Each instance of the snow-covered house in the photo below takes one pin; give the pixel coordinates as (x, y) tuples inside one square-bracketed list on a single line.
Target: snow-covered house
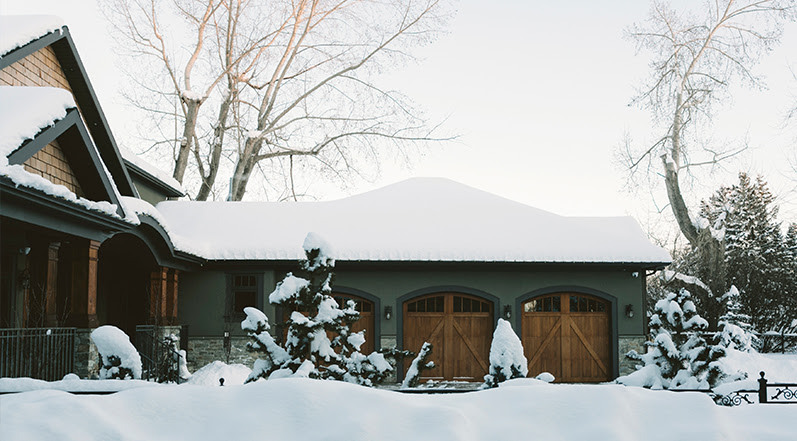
[(89, 237), (74, 252), (429, 259)]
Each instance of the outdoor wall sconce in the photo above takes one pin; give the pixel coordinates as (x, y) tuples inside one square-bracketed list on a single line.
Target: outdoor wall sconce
[(507, 312), (629, 310), (388, 312)]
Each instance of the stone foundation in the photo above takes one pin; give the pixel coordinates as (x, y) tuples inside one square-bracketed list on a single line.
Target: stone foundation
[(628, 343), (205, 350)]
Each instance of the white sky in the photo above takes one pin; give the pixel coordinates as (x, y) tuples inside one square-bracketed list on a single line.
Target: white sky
[(539, 93)]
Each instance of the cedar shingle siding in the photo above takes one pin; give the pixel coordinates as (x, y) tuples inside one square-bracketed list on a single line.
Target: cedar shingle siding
[(40, 68), (51, 163)]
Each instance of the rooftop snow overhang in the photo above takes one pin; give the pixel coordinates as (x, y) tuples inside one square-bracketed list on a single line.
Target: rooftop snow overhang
[(85, 97), (152, 180), (85, 161)]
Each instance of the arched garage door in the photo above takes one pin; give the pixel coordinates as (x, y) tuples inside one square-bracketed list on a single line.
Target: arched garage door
[(459, 327), (567, 334), (366, 321)]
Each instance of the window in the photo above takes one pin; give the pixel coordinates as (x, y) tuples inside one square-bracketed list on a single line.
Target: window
[(544, 304), (242, 292)]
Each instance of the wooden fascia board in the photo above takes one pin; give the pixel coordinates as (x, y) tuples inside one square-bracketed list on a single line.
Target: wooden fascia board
[(71, 121)]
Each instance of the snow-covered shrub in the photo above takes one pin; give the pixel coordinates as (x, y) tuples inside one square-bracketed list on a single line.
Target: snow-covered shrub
[(734, 325), (417, 366), (678, 356), (119, 359), (319, 341), (506, 356)]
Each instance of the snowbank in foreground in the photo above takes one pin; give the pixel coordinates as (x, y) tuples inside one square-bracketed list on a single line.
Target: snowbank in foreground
[(303, 409), (208, 375)]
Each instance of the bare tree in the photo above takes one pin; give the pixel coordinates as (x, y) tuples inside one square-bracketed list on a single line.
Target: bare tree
[(249, 84), (697, 55)]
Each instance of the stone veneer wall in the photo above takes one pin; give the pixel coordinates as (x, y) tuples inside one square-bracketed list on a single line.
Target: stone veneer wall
[(204, 350), (627, 343), (87, 359)]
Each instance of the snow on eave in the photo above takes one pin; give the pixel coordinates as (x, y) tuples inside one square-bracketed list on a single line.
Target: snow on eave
[(19, 30), (151, 171), (25, 113), (418, 220)]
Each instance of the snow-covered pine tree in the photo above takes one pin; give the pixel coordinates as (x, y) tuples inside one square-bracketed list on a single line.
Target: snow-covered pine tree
[(507, 360), (413, 375), (315, 316), (678, 356), (734, 325)]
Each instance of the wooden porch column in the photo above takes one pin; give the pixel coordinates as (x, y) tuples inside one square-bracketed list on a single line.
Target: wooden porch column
[(83, 298), (157, 295), (51, 285), (171, 296)]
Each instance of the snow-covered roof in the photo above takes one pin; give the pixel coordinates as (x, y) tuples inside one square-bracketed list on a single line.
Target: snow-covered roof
[(152, 170), (19, 30), (24, 112), (420, 219)]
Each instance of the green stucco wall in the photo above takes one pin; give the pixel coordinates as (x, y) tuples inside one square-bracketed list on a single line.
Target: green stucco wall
[(202, 294)]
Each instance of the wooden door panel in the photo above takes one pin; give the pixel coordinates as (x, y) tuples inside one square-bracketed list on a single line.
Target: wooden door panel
[(458, 326), (425, 327), (573, 343)]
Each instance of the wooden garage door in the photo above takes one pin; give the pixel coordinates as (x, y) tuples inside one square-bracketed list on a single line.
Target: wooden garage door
[(460, 329), (366, 320), (568, 335)]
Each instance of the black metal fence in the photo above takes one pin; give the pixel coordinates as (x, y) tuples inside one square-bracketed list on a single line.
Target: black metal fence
[(767, 393), (160, 360), (42, 353)]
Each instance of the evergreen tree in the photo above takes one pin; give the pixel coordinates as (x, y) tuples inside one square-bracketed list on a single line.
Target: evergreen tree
[(734, 324), (315, 317), (757, 259), (678, 356), (419, 363)]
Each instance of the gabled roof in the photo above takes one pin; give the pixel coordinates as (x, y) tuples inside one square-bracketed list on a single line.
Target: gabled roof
[(27, 28), (31, 118), (422, 219)]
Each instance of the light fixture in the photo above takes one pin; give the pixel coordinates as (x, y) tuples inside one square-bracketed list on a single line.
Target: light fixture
[(635, 274), (629, 310), (507, 312), (388, 312)]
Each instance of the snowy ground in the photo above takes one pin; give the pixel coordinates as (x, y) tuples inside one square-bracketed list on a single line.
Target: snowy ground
[(302, 409)]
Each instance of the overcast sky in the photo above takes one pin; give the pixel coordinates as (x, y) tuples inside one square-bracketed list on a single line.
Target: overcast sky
[(538, 92)]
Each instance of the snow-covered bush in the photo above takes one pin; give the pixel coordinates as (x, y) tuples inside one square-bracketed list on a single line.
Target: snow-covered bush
[(319, 341), (678, 356), (734, 325), (119, 359), (506, 356), (417, 366)]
